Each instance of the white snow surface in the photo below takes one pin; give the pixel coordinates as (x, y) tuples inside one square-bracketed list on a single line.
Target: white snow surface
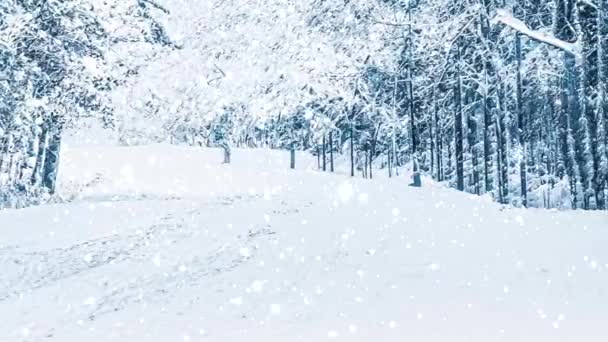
[(162, 243)]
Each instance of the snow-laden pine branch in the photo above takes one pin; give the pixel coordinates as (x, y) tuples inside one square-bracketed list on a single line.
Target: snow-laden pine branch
[(506, 17), (589, 3)]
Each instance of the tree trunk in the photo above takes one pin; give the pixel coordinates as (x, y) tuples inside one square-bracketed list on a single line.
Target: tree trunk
[(567, 162), (485, 27), (42, 144), (51, 160), (432, 137), (502, 155), (331, 151), (499, 167), (3, 152), (227, 152), (439, 144), (394, 162), (416, 178), (371, 172), (487, 145), (449, 158), (472, 142), (352, 150), (324, 154), (410, 83), (388, 162), (365, 165), (318, 158), (577, 132), (11, 160), (521, 126), (292, 153), (589, 23), (602, 131), (458, 134)]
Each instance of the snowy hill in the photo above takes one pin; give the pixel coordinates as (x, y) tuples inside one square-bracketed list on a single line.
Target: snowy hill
[(161, 243)]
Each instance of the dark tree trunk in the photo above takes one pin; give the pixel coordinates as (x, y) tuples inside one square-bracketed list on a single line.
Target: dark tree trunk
[(521, 126), (371, 172), (416, 178), (499, 167), (487, 145), (352, 150), (292, 153), (227, 152), (432, 137), (577, 132), (388, 162), (502, 148), (11, 159), (324, 154), (439, 145), (365, 163), (567, 162), (450, 169), (473, 148), (410, 84), (3, 152), (458, 134), (485, 27), (318, 158), (589, 22), (40, 155), (331, 151), (602, 132), (51, 160)]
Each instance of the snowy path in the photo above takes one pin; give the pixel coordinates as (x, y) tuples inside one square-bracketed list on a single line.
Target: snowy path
[(258, 252)]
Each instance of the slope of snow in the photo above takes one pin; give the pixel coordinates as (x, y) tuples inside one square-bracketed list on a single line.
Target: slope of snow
[(161, 243)]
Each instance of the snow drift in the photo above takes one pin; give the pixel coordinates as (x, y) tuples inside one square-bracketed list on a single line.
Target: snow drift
[(161, 243)]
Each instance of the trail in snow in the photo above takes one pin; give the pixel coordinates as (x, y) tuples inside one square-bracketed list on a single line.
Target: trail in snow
[(169, 245)]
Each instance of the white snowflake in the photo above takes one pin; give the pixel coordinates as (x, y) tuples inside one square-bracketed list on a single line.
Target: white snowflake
[(345, 191), (244, 251), (236, 301), (275, 309)]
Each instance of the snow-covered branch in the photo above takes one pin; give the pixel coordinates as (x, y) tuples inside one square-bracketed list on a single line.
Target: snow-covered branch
[(588, 3), (505, 17), (157, 6)]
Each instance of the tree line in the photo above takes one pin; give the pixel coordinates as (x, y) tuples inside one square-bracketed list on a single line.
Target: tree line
[(55, 69), (500, 98)]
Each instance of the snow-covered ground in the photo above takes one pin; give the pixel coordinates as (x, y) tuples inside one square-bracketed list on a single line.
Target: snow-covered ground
[(162, 243)]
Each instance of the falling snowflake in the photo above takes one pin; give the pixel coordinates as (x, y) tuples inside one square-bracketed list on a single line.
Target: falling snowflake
[(156, 260), (88, 258), (257, 286), (345, 191), (244, 251), (90, 301), (275, 309), (236, 301)]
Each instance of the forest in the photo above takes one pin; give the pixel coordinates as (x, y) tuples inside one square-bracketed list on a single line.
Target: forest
[(500, 98)]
